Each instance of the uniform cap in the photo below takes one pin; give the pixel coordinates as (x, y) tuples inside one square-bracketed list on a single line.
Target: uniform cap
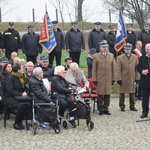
[(11, 23), (103, 43), (44, 58), (128, 46)]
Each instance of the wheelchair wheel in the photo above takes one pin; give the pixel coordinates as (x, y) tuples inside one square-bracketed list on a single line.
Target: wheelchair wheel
[(57, 129), (65, 125), (91, 125), (34, 128)]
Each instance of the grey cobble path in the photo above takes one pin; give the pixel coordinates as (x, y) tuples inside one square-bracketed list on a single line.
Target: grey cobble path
[(120, 131)]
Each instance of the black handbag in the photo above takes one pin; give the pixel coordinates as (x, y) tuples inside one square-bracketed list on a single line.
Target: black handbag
[(23, 98)]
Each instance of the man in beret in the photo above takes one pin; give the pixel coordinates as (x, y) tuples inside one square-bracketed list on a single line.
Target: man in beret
[(57, 51), (74, 42), (103, 75), (96, 36), (144, 35), (11, 40), (111, 36), (131, 36), (30, 44), (127, 76)]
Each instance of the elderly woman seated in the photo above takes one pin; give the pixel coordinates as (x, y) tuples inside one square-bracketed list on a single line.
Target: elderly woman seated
[(37, 87), (75, 76), (61, 86)]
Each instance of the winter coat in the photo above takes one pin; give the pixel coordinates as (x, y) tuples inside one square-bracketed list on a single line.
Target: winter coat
[(74, 40), (131, 38), (30, 44), (60, 86), (111, 41), (103, 72), (144, 37), (59, 40), (127, 72), (144, 63), (95, 37), (37, 87), (11, 40)]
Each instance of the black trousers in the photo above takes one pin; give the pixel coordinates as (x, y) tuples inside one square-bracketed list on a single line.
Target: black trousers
[(75, 56), (145, 101), (65, 103), (31, 58), (57, 56)]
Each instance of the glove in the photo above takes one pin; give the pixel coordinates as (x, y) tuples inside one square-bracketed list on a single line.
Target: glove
[(112, 83), (95, 82), (119, 82), (52, 104), (137, 81)]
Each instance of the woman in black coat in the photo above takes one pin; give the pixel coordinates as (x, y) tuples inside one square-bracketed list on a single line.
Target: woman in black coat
[(61, 86), (15, 86)]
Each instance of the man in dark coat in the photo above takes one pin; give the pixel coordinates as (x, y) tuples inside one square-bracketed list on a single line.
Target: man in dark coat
[(57, 51), (144, 35), (111, 39), (30, 44), (144, 69), (96, 36), (131, 36), (11, 40), (74, 42)]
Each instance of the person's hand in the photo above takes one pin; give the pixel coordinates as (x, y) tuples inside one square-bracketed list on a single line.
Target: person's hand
[(119, 82), (24, 94), (74, 91), (83, 50), (145, 72), (68, 50), (112, 83), (4, 50), (95, 82), (1, 50), (19, 50), (136, 81)]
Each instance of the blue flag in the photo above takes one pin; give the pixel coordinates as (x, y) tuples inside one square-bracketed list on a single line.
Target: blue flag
[(121, 34), (47, 37)]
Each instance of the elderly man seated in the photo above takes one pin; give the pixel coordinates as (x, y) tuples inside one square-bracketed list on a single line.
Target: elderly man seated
[(61, 86), (76, 76)]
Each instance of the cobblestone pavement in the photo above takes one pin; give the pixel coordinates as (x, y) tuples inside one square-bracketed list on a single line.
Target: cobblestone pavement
[(120, 131)]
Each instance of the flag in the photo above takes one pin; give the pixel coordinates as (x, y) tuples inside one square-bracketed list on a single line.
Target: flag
[(121, 34), (47, 38)]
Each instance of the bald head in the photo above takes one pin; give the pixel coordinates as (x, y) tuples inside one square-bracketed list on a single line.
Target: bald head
[(29, 66), (147, 48)]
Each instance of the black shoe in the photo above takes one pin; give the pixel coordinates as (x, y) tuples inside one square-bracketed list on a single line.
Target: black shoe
[(107, 113), (133, 109), (72, 122), (101, 113), (122, 109), (143, 116), (140, 98), (17, 126), (22, 126)]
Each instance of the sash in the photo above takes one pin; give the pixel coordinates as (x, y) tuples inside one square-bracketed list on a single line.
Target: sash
[(137, 52)]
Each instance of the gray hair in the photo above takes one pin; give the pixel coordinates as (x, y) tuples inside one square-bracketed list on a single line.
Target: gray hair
[(59, 69), (37, 71), (74, 66)]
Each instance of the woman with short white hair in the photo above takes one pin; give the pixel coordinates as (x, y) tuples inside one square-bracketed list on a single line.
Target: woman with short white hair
[(61, 86)]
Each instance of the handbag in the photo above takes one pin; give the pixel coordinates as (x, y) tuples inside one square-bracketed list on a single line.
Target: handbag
[(23, 98)]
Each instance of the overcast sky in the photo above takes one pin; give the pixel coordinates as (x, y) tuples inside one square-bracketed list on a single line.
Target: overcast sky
[(21, 11)]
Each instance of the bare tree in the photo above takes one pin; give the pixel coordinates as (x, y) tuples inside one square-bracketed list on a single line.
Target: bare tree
[(133, 9), (80, 4)]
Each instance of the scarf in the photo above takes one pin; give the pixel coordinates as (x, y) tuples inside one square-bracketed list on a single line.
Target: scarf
[(22, 78)]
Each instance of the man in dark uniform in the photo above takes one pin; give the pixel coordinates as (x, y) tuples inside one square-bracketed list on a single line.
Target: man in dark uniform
[(131, 36), (111, 39), (60, 45), (96, 36), (144, 69), (144, 35), (74, 42), (30, 44), (11, 40)]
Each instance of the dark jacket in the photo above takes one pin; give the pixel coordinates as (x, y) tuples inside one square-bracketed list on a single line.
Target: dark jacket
[(144, 38), (95, 37), (111, 41), (30, 44), (48, 72), (37, 87), (59, 40), (89, 61), (74, 40), (1, 41), (12, 88), (144, 63), (131, 38), (60, 85), (11, 40)]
